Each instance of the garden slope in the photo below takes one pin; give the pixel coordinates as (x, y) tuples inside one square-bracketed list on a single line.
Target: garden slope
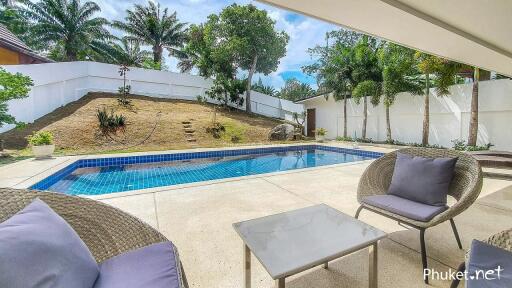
[(75, 126)]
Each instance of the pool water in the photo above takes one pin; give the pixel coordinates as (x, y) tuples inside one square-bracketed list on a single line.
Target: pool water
[(116, 178)]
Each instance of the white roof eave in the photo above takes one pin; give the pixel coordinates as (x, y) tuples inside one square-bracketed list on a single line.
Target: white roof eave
[(467, 31)]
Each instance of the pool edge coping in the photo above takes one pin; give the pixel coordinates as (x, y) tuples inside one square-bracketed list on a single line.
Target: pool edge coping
[(42, 175)]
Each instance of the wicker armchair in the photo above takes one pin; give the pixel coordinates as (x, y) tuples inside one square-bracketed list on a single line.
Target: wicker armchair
[(501, 240), (107, 231), (465, 188)]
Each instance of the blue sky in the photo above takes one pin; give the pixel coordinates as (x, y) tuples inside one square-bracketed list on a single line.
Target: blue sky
[(304, 32)]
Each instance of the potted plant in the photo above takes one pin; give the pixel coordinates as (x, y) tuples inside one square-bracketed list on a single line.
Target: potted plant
[(42, 144), (320, 134)]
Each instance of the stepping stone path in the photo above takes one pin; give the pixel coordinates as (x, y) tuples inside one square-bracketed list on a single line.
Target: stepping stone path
[(189, 131)]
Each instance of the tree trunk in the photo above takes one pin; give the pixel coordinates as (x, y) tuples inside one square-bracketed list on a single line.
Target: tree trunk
[(345, 117), (473, 124), (388, 126), (71, 55), (249, 81), (365, 116), (157, 54), (426, 112)]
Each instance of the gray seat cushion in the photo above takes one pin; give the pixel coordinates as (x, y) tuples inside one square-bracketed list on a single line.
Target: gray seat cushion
[(152, 266), (423, 180), (405, 207), (484, 257), (39, 249)]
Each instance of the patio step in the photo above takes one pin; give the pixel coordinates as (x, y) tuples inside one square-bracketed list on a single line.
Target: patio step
[(497, 173), (189, 130)]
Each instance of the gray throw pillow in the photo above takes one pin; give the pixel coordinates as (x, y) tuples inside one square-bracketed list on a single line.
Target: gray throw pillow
[(153, 266), (39, 249), (424, 180)]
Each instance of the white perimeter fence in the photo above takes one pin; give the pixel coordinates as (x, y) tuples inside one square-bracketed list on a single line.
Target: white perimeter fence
[(449, 116), (57, 84)]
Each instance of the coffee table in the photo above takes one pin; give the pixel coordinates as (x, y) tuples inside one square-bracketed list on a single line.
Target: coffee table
[(291, 242)]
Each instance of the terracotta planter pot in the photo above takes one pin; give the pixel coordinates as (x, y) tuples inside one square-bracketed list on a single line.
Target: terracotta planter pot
[(43, 151)]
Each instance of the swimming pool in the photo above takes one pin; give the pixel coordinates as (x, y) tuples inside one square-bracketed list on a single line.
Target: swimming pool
[(110, 175)]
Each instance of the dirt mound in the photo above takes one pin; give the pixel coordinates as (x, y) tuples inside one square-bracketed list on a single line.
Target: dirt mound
[(157, 123)]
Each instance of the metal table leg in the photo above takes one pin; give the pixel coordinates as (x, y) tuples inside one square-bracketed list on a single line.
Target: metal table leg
[(373, 277), (247, 267), (280, 283)]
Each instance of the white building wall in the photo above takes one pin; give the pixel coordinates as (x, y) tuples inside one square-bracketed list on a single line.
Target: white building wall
[(57, 84), (449, 116)]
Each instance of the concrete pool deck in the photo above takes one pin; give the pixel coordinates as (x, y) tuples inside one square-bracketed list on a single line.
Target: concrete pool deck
[(198, 220)]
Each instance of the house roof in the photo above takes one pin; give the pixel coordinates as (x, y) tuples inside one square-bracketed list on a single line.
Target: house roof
[(312, 97), (8, 39), (473, 32)]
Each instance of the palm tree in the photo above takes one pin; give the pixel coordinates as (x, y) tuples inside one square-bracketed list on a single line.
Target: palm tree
[(294, 90), (155, 27), (473, 123), (444, 73), (260, 87), (124, 51), (338, 76), (367, 74), (67, 23), (399, 74), (365, 89)]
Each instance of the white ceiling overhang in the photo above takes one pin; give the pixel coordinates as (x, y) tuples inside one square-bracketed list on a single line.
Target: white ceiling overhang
[(474, 32)]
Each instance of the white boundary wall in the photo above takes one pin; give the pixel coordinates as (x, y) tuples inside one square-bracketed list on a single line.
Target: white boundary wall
[(449, 116), (57, 84)]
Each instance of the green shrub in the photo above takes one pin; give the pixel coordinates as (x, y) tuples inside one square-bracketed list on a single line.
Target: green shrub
[(350, 139), (341, 138), (41, 138), (201, 99), (110, 123), (216, 130), (459, 144), (321, 131)]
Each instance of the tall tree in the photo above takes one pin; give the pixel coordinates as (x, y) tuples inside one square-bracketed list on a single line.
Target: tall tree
[(365, 89), (67, 23), (214, 56), (257, 45), (294, 90), (334, 67), (399, 74), (437, 72), (155, 27), (473, 123), (367, 75)]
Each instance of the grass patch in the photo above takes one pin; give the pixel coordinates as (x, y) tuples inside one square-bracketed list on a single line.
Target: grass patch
[(235, 132)]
